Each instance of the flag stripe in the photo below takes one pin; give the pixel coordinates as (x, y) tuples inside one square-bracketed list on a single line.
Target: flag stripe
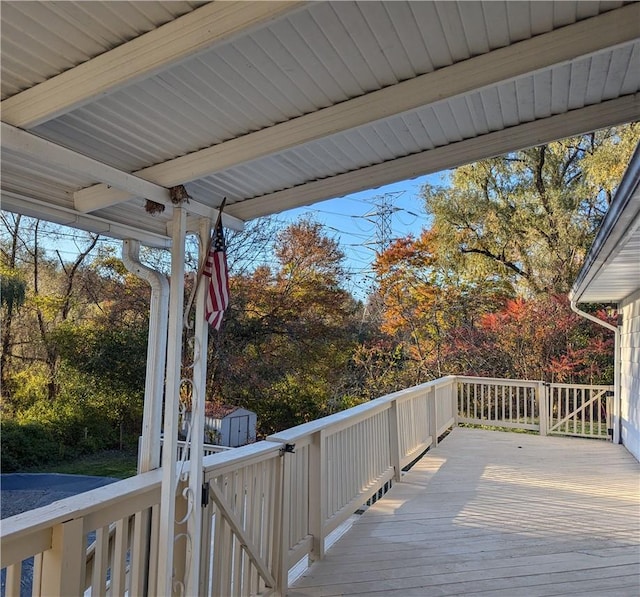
[(216, 270)]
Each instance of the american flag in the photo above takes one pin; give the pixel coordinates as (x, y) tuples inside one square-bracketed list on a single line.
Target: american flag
[(215, 268)]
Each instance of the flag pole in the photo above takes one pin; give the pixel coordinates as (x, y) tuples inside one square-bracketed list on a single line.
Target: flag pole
[(194, 290)]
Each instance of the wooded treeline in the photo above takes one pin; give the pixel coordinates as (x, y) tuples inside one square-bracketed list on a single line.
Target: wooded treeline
[(482, 291)]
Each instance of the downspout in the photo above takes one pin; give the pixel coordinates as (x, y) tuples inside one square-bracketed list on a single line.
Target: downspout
[(149, 450), (616, 367)]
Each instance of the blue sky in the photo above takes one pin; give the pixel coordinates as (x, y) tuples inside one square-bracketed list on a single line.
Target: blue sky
[(344, 220)]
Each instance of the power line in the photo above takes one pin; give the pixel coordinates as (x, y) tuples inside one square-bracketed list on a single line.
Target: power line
[(381, 218)]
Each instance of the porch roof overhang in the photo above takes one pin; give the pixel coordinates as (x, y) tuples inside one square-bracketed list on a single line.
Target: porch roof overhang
[(276, 105), (611, 270)]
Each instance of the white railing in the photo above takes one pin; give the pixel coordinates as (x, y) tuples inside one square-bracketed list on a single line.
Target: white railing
[(208, 449), (506, 403), (272, 503), (580, 410), (561, 409), (114, 521)]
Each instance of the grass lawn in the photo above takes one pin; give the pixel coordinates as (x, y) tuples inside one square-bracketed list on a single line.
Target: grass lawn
[(111, 463)]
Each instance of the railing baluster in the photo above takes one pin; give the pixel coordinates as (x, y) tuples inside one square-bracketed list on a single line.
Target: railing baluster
[(119, 565), (138, 556), (317, 484), (394, 439), (12, 580), (475, 401), (36, 582), (100, 562), (586, 402)]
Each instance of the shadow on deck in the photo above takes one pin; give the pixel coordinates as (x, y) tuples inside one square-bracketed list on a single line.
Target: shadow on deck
[(492, 513)]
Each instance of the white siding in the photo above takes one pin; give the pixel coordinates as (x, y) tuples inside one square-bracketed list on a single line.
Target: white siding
[(630, 373)]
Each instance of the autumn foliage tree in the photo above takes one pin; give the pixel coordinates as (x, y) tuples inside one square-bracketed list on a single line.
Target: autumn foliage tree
[(288, 332), (424, 300), (482, 291), (539, 339)]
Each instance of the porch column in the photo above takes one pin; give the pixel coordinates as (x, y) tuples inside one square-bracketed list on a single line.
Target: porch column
[(201, 334), (172, 392)]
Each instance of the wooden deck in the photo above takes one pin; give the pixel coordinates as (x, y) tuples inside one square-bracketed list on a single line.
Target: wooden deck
[(491, 513)]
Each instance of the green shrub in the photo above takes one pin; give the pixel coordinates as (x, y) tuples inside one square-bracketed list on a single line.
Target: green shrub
[(26, 445)]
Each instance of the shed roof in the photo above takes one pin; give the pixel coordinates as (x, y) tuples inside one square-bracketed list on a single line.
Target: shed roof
[(216, 410), (275, 105)]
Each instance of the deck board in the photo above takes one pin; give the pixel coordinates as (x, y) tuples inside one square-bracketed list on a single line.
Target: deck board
[(492, 513)]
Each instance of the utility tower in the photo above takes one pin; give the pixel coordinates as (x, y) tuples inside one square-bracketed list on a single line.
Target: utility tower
[(381, 217)]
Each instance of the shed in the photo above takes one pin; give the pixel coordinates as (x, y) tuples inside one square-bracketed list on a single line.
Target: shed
[(226, 425)]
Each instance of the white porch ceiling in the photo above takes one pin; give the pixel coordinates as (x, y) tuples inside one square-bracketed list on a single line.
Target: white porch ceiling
[(280, 104)]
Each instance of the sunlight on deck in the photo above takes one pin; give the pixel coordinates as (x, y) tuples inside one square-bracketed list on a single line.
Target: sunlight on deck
[(493, 513)]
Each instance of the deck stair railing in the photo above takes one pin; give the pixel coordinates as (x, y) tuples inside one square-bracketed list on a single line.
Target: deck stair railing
[(267, 505)]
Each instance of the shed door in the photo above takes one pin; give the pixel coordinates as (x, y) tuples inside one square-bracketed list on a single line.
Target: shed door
[(239, 431)]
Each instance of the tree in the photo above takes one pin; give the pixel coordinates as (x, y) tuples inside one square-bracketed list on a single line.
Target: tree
[(286, 340), (530, 216), (424, 299), (538, 338), (12, 291)]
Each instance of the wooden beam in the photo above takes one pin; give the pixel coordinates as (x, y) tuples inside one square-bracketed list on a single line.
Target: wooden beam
[(35, 208), (576, 122), (212, 24), (586, 37), (88, 202)]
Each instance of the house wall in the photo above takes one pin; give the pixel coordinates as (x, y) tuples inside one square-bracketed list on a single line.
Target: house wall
[(630, 373)]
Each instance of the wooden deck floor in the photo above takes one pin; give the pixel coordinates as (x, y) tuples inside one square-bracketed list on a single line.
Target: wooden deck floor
[(491, 513)]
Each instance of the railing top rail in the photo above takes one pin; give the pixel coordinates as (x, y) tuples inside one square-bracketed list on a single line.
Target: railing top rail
[(295, 433), (79, 506), (498, 381), (582, 386), (214, 447), (239, 456)]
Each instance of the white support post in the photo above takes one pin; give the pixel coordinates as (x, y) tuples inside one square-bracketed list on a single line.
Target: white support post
[(282, 559), (317, 501), (433, 418), (394, 441), (172, 392), (62, 573), (455, 401), (201, 332), (543, 407)]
